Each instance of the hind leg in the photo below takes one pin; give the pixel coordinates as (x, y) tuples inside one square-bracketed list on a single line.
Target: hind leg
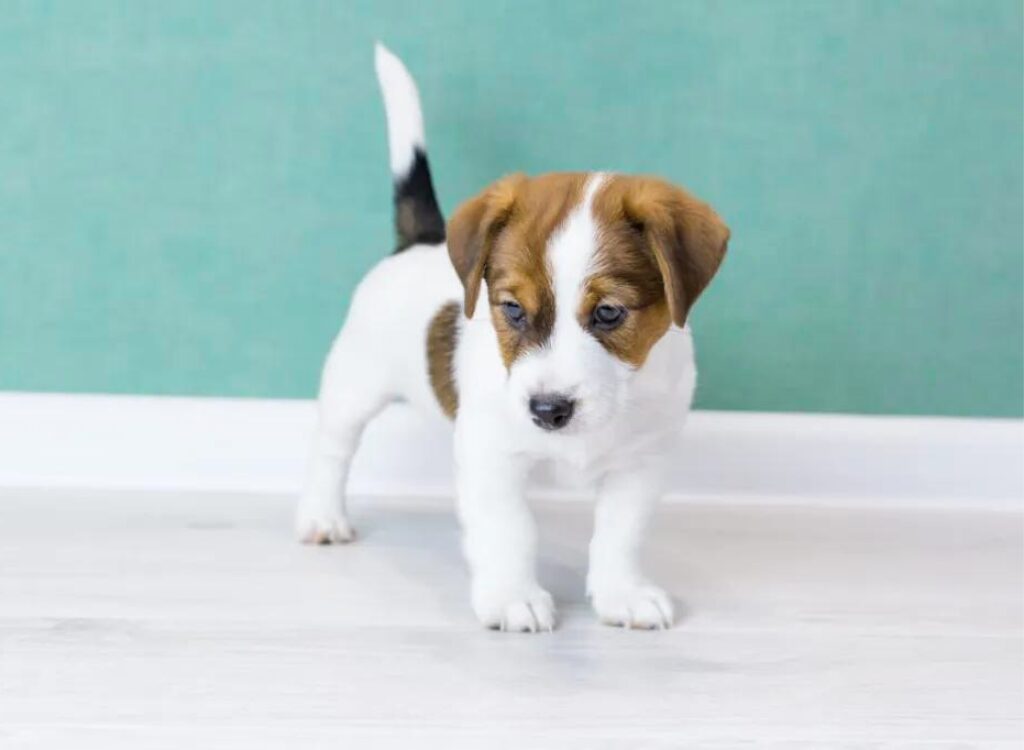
[(350, 396)]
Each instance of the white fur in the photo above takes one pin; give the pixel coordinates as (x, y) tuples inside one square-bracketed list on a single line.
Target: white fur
[(626, 424), (402, 106)]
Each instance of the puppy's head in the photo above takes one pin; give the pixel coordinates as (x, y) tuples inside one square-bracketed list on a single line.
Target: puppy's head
[(583, 274)]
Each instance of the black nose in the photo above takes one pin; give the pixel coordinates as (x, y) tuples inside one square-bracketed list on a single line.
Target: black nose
[(552, 412)]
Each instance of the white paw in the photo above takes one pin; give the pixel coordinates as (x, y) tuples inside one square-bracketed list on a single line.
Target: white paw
[(640, 606), (323, 528), (520, 609)]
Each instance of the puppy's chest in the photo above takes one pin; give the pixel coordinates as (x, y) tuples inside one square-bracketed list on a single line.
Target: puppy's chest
[(574, 465), (620, 443)]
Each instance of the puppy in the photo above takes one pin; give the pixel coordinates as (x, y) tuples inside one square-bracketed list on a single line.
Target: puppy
[(553, 328)]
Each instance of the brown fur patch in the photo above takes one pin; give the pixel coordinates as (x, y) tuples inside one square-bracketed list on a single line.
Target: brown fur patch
[(506, 229), (626, 275), (684, 236), (658, 248), (442, 335)]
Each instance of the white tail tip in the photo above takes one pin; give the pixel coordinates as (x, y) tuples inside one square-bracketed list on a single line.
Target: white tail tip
[(402, 106)]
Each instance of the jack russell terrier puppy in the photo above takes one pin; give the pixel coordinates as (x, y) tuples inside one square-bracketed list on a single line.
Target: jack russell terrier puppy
[(549, 322)]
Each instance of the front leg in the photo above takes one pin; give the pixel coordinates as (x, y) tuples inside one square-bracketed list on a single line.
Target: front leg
[(498, 533), (620, 593)]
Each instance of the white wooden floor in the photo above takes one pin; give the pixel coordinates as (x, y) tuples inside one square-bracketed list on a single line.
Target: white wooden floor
[(188, 621)]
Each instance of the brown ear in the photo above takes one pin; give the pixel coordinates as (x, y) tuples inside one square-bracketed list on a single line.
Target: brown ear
[(688, 239), (473, 230)]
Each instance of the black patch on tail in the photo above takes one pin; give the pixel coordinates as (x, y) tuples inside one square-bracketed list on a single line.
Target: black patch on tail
[(418, 219)]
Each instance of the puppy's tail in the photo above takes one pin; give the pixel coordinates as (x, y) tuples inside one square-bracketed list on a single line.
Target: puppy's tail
[(418, 218)]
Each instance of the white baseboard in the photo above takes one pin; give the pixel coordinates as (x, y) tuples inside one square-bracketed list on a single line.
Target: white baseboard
[(251, 445)]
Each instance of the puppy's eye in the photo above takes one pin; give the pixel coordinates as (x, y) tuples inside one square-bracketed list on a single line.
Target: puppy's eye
[(608, 317), (514, 314)]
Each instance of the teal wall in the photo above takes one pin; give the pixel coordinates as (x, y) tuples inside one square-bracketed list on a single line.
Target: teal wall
[(189, 190)]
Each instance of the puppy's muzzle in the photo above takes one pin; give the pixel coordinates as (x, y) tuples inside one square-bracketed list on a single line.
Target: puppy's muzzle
[(551, 411)]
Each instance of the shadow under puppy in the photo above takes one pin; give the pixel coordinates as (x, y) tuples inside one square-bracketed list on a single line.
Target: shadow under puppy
[(553, 328)]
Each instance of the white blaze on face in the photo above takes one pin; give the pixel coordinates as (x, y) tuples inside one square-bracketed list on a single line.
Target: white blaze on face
[(572, 363)]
